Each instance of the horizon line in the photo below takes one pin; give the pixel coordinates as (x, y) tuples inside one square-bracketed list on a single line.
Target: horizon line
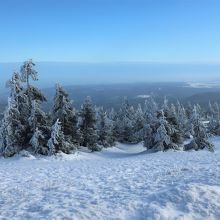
[(119, 62)]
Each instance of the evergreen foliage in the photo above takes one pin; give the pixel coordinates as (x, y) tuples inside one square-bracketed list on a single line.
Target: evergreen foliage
[(25, 125), (88, 126)]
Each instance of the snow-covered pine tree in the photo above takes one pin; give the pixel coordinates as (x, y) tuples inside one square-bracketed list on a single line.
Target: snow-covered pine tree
[(138, 124), (30, 94), (213, 118), (124, 126), (11, 130), (112, 116), (14, 84), (200, 135), (161, 138), (40, 128), (64, 111), (57, 141), (38, 142), (150, 121), (200, 110), (217, 118), (27, 73), (175, 132), (189, 110), (182, 120), (88, 125), (163, 134), (150, 110), (165, 105), (210, 112), (148, 136), (216, 110), (104, 128)]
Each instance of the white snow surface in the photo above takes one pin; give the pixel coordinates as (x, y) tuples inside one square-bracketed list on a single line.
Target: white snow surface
[(123, 182)]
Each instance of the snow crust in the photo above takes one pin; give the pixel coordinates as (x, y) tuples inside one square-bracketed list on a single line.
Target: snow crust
[(122, 182)]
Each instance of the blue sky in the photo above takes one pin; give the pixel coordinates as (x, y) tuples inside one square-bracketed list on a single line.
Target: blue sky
[(110, 30)]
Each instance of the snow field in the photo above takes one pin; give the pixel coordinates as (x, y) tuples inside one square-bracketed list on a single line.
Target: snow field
[(120, 183)]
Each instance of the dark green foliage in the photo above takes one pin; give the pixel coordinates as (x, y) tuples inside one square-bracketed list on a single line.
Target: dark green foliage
[(64, 111), (88, 126)]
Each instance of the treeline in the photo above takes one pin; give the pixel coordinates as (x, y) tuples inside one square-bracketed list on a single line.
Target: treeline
[(25, 126)]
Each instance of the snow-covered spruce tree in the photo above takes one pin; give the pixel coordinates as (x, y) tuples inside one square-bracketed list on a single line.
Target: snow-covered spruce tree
[(88, 126), (112, 116), (163, 134), (150, 121), (216, 110), (104, 129), (14, 84), (213, 118), (27, 73), (138, 123), (124, 126), (189, 110), (200, 135), (10, 130), (161, 138), (175, 132), (30, 94), (182, 120), (210, 111), (57, 142), (38, 142), (64, 111), (150, 110), (148, 136), (40, 128)]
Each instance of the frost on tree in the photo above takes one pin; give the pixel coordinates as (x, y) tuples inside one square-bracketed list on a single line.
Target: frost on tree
[(88, 126), (175, 131), (38, 143), (104, 128), (150, 122), (213, 117), (124, 125), (200, 135), (162, 134), (28, 71), (64, 111), (14, 84), (39, 127), (183, 120), (138, 124), (11, 130), (57, 142), (161, 138), (32, 97), (150, 110), (148, 136)]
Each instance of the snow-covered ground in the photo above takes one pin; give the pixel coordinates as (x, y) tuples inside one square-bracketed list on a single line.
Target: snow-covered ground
[(118, 183)]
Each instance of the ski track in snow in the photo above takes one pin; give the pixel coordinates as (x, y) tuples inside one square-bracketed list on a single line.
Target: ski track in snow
[(118, 183)]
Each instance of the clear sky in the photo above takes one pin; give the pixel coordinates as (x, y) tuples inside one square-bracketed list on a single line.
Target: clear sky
[(110, 30)]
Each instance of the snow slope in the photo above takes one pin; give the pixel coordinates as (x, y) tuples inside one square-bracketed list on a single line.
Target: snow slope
[(118, 183)]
